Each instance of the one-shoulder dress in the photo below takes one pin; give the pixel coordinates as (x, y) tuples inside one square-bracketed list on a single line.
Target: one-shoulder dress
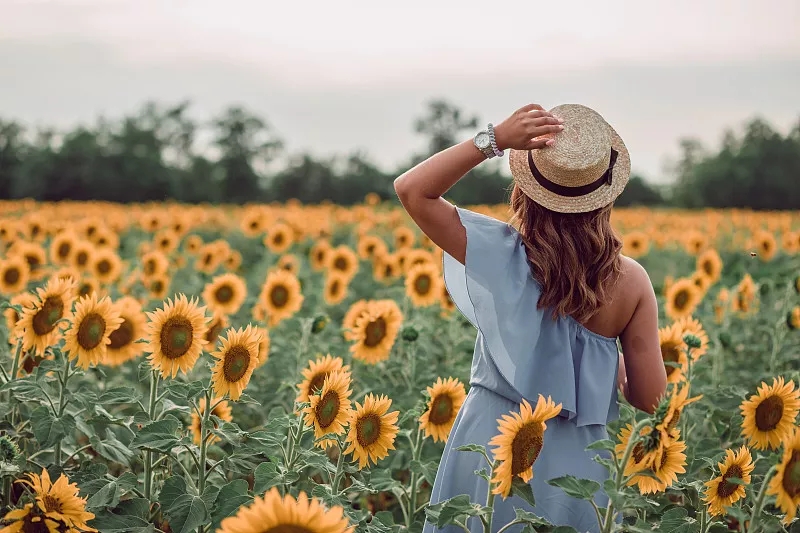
[(521, 352)]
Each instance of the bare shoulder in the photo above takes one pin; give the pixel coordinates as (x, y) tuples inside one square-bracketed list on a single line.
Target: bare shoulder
[(634, 277)]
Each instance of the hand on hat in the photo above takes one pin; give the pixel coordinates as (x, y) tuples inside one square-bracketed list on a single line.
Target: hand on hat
[(528, 128)]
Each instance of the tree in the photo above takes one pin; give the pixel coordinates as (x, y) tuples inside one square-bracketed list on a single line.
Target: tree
[(443, 125), (639, 193)]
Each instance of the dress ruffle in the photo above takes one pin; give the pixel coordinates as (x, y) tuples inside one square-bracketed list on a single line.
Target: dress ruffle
[(535, 354)]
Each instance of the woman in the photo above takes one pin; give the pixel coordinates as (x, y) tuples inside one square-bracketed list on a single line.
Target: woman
[(549, 300)]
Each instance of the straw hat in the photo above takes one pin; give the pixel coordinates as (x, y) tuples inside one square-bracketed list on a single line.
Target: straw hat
[(586, 168)]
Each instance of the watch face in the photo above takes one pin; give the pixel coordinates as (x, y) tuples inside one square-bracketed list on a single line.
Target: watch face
[(482, 140)]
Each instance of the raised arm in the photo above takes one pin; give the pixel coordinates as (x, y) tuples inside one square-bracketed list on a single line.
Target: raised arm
[(420, 189)]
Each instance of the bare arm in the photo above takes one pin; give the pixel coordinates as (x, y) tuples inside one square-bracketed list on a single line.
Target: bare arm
[(420, 189), (643, 364)]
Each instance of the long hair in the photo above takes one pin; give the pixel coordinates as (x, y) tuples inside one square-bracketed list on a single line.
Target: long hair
[(574, 256)]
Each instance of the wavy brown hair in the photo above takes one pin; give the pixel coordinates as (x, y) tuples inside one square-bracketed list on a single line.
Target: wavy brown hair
[(574, 256)]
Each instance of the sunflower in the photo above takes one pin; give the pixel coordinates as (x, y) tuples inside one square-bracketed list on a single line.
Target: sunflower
[(403, 237), (677, 401), (785, 484), (166, 240), (14, 275), (701, 282), (27, 520), (673, 351), (253, 222), (105, 238), (62, 247), (691, 326), (59, 501), (92, 323), (280, 238), (445, 302), (635, 244), (446, 398), (721, 493), (386, 267), (208, 258), (695, 242), (176, 335), (417, 256), (315, 374), (355, 312), (281, 296), (665, 470), (106, 265), (24, 300), (682, 298), (157, 286), (275, 513), (744, 295), (216, 325), (225, 294), (371, 246), (236, 358), (82, 253), (193, 243), (372, 430), (233, 261), (769, 414), (721, 305), (376, 330), (344, 261), (221, 410), (793, 318), (263, 347), (709, 264), (335, 290), (329, 410), (33, 254), (519, 442), (123, 346), (424, 284), (86, 286), (765, 244), (646, 452), (38, 324), (318, 255), (154, 263), (289, 262)]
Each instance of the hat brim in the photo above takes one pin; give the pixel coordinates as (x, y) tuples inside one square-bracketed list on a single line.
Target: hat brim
[(518, 161)]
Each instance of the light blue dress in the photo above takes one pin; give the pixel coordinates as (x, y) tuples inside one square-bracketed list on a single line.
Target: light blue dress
[(521, 352)]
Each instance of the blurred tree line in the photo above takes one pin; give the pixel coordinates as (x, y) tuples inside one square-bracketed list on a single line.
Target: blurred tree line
[(162, 153)]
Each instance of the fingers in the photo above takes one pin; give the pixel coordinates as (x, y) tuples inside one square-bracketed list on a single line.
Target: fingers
[(531, 107), (536, 144), (545, 120)]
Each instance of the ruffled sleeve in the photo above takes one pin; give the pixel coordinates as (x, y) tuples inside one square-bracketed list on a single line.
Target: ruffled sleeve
[(534, 353)]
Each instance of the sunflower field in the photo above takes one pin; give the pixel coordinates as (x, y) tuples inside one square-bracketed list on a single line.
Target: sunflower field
[(297, 369)]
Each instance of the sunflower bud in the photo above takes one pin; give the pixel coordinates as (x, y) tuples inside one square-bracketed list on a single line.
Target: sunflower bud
[(692, 341), (320, 321), (9, 452), (409, 334), (725, 339)]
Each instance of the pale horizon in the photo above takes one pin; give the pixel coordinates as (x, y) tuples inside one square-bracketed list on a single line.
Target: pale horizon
[(339, 77)]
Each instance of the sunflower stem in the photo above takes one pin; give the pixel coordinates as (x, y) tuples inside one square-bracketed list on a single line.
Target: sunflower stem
[(759, 503), (62, 404), (204, 443), (339, 465), (608, 520), (15, 364), (490, 495), (412, 499), (148, 459), (703, 520)]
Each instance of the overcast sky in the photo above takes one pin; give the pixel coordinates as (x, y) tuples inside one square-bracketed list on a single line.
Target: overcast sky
[(333, 77)]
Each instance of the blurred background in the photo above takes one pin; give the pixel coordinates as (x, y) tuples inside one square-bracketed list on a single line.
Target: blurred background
[(261, 101)]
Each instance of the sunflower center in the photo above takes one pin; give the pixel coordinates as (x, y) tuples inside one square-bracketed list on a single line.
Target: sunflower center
[(278, 239), (122, 336), (177, 336), (791, 475), (85, 289), (638, 453), (368, 429), (422, 285), (708, 268), (670, 353), (63, 250), (213, 331), (149, 266), (81, 258), (335, 287), (316, 383), (44, 321), (681, 299), (223, 294), (441, 410), (769, 413), (279, 295), (11, 276), (288, 528), (327, 409), (726, 488), (91, 331), (33, 262), (157, 286), (340, 263), (525, 447), (51, 504), (237, 361), (320, 256), (374, 332), (104, 266)]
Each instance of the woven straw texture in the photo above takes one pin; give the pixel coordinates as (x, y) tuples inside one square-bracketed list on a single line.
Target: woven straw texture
[(579, 156)]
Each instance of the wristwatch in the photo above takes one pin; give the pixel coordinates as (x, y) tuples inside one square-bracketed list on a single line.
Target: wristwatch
[(483, 142)]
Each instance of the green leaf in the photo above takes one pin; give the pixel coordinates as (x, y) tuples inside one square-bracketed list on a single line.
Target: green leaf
[(184, 391), (266, 477), (676, 520), (582, 489), (564, 529), (48, 429), (447, 512), (120, 523), (427, 470), (118, 395), (157, 436), (172, 489), (25, 390), (186, 513), (111, 448), (523, 490), (531, 519), (604, 444), (230, 498), (107, 497)]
